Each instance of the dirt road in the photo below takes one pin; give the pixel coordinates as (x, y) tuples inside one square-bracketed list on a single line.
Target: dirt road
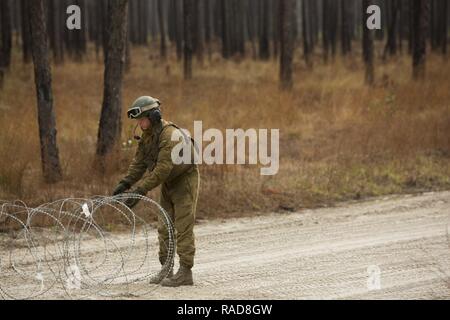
[(325, 253), (331, 253)]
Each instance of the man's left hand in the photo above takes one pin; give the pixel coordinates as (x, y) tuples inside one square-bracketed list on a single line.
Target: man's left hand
[(132, 202)]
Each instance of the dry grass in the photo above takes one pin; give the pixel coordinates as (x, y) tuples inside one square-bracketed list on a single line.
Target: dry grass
[(339, 139)]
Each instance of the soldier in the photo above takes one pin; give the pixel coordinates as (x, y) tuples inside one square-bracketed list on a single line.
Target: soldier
[(179, 186)]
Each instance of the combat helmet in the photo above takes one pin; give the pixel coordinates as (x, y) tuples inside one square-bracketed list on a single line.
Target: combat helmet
[(144, 106)]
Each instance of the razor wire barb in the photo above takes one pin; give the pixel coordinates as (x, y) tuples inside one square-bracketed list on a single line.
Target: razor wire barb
[(62, 248)]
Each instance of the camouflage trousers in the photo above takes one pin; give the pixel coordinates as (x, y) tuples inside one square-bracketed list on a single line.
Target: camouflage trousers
[(179, 199)]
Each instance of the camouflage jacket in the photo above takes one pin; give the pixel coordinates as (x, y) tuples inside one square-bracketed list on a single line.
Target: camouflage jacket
[(154, 155)]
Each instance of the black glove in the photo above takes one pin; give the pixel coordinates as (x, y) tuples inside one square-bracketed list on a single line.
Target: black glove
[(121, 188), (132, 202)]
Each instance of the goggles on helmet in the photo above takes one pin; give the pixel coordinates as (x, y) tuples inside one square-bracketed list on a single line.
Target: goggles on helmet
[(136, 112)]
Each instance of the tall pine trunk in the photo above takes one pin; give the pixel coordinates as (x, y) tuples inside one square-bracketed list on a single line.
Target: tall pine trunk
[(208, 28), (162, 29), (198, 30), (391, 44), (264, 15), (110, 120), (5, 34), (307, 45), (346, 42), (225, 6), (287, 20), (325, 30), (368, 36), (56, 23), (188, 7), (26, 30), (444, 26), (46, 118), (421, 19), (80, 36), (179, 28)]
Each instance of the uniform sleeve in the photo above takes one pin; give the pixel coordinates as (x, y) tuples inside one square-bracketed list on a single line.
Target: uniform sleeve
[(164, 164), (137, 167)]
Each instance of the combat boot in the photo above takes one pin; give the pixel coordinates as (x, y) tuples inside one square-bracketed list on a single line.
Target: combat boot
[(182, 278), (161, 275)]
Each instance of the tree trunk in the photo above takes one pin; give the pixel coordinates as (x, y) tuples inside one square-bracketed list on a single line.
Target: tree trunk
[(98, 21), (226, 34), (239, 29), (189, 7), (379, 33), (403, 24), (391, 44), (421, 19), (153, 21), (307, 46), (198, 26), (171, 21), (143, 17), (345, 27), (56, 23), (110, 120), (264, 14), (444, 26), (276, 32), (179, 27), (46, 118), (5, 34), (411, 26), (368, 36), (287, 19), (314, 18), (252, 25), (127, 51), (208, 27), (162, 29), (433, 25), (133, 19), (79, 37), (333, 25), (26, 31), (325, 30)]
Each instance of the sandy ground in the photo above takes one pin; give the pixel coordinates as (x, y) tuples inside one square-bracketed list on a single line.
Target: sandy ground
[(331, 253)]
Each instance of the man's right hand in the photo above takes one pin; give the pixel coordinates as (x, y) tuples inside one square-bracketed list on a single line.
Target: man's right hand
[(121, 188)]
